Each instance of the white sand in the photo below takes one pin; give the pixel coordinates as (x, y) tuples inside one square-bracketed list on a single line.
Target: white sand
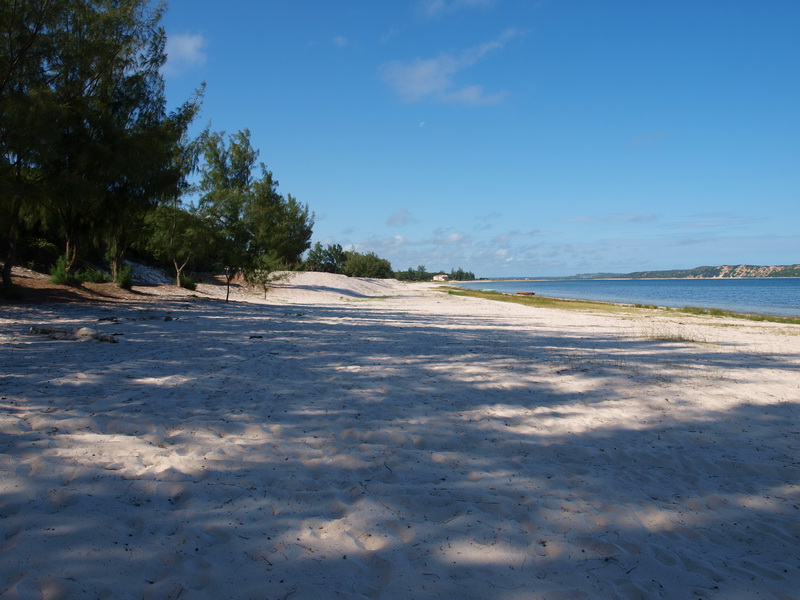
[(331, 443)]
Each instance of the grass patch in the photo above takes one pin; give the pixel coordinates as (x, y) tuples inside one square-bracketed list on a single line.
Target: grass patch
[(588, 305), (541, 301), (718, 312)]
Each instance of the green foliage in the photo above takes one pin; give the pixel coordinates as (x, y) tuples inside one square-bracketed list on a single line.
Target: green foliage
[(418, 274), (255, 226), (91, 275), (421, 274), (366, 265), (462, 275), (176, 235), (86, 143), (330, 259), (59, 273), (266, 270), (188, 282), (124, 277), (89, 152)]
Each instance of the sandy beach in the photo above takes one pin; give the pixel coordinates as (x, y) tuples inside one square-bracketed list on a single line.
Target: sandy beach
[(363, 439)]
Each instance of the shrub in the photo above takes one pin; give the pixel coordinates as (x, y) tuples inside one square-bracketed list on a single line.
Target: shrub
[(59, 274), (91, 275), (188, 282), (125, 277)]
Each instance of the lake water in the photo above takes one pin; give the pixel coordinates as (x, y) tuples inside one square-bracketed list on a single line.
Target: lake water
[(775, 296)]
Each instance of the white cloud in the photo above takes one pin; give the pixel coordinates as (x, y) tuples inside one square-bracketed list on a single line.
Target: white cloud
[(401, 217), (436, 8), (435, 78), (341, 41), (184, 51)]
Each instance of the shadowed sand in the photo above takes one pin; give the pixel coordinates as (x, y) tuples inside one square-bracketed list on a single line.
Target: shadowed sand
[(367, 439)]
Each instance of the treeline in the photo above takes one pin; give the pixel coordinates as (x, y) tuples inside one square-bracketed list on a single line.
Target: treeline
[(421, 274), (334, 259), (92, 161)]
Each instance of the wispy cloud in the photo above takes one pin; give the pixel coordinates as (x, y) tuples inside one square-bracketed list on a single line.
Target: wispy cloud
[(436, 8), (184, 51), (402, 217), (615, 218), (716, 221), (341, 41), (435, 78)]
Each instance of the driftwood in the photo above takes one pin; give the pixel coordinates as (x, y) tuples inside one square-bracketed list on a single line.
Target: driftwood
[(82, 334)]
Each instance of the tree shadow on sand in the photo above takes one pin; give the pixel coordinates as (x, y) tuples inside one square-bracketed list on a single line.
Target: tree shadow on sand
[(345, 451)]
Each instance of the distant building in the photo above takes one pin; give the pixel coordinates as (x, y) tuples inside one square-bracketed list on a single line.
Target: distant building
[(441, 277)]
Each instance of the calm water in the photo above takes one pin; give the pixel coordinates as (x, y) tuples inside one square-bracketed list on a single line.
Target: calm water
[(766, 296)]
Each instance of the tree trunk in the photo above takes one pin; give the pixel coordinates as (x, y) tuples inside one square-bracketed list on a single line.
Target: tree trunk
[(179, 269), (11, 252), (71, 254), (12, 231)]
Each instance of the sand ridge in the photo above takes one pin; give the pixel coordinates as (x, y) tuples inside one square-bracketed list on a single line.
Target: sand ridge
[(370, 439)]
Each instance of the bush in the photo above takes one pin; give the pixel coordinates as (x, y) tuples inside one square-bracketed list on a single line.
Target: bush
[(188, 282), (367, 265), (125, 277), (91, 275), (59, 274)]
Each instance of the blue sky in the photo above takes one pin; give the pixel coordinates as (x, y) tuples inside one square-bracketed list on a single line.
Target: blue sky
[(515, 137)]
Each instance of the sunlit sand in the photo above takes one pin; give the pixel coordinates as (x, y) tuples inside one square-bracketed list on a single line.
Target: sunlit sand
[(368, 439)]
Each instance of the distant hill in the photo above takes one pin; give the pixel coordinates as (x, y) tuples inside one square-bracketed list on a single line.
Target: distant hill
[(724, 271)]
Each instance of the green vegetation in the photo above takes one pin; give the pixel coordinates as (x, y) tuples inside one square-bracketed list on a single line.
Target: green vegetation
[(60, 274), (333, 259), (92, 161), (421, 274), (718, 312), (543, 302), (538, 301)]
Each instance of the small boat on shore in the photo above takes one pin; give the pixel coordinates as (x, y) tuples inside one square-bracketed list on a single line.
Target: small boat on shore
[(526, 293)]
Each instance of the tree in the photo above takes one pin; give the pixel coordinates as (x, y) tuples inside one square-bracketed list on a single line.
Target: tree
[(281, 227), (329, 259), (175, 234), (367, 265), (256, 226), (85, 136), (461, 275), (227, 188), (23, 48)]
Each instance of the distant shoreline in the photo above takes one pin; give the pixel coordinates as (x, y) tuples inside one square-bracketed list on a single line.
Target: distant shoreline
[(747, 295), (617, 279)]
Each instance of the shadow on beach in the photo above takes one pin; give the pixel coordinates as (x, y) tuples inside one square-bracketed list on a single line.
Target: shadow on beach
[(346, 451)]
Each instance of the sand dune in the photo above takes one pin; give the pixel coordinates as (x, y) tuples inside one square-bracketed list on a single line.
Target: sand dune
[(369, 439)]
